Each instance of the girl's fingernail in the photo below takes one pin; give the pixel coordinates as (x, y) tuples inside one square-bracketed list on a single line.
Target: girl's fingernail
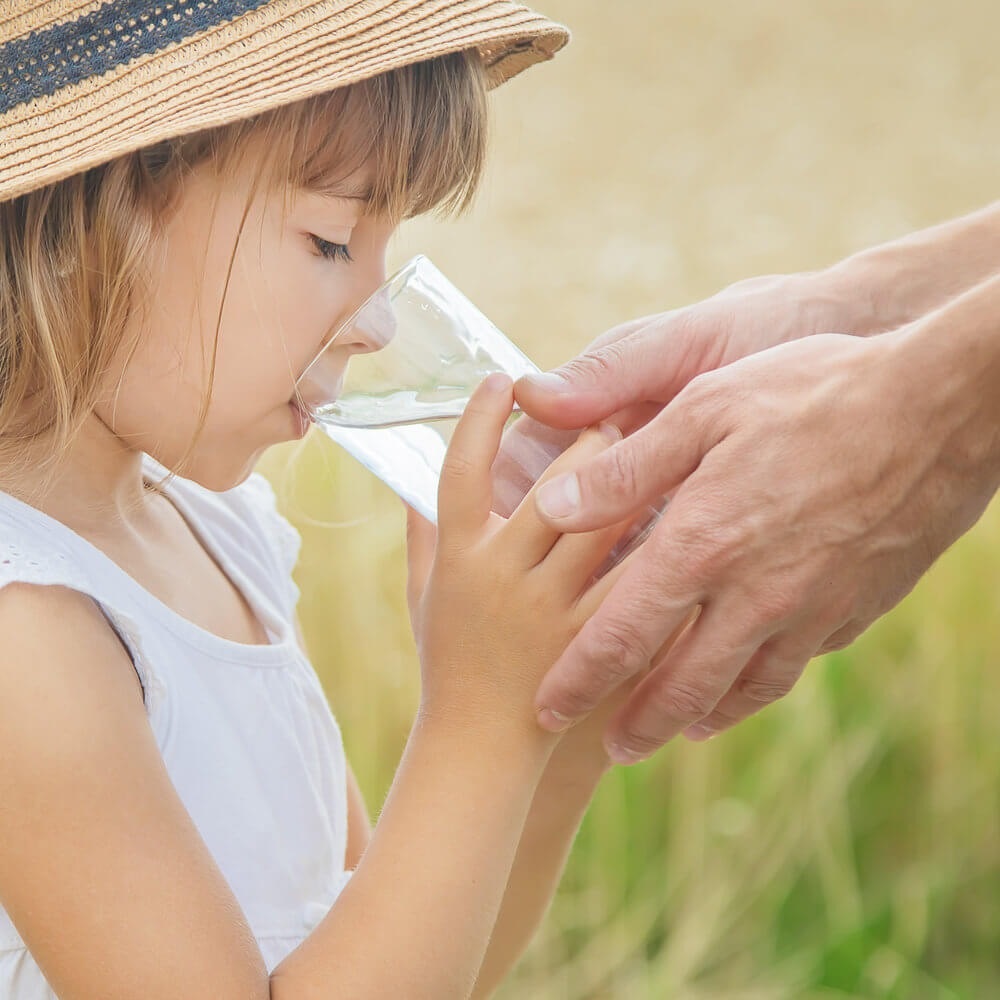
[(553, 721), (497, 382), (622, 755), (560, 497)]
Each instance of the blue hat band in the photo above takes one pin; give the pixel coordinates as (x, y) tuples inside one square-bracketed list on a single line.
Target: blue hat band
[(119, 32)]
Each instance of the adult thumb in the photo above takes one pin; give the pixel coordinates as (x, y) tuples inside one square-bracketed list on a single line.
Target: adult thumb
[(636, 473), (641, 361)]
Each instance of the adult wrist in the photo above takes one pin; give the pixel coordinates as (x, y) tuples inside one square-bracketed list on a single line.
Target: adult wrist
[(866, 292), (898, 282), (949, 366)]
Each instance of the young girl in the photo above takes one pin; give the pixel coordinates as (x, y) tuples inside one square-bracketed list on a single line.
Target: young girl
[(192, 197)]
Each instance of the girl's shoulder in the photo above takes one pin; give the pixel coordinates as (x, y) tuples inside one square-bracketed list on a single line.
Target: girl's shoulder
[(241, 528), (41, 621), (36, 549), (50, 576)]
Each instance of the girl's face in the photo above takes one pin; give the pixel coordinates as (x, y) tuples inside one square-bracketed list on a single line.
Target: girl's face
[(276, 275)]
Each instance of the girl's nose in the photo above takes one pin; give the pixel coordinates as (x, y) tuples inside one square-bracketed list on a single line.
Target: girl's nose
[(373, 326)]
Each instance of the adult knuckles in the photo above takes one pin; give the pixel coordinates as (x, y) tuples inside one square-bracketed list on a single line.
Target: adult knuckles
[(705, 393), (718, 548), (810, 599), (614, 475), (715, 403), (598, 366), (765, 689), (641, 743), (843, 637), (681, 701), (613, 654), (778, 604), (721, 719)]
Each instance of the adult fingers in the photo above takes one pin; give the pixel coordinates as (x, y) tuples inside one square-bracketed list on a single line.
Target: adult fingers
[(649, 359), (683, 688), (535, 535), (629, 364), (647, 603), (465, 490), (637, 471), (769, 675), (844, 636), (527, 449)]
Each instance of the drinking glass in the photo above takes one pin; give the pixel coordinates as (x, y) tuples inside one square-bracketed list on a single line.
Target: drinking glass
[(391, 383)]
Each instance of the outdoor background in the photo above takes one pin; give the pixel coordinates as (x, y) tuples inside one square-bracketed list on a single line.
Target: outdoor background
[(846, 843)]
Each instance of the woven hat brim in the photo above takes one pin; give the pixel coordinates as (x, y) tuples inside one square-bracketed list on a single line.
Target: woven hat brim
[(281, 52)]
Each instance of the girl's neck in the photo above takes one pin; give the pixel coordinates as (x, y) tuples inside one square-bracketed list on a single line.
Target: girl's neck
[(97, 487)]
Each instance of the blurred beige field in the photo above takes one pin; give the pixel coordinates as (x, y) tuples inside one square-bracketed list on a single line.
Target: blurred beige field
[(846, 843)]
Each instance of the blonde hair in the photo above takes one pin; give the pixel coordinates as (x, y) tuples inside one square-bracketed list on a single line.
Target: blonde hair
[(73, 255)]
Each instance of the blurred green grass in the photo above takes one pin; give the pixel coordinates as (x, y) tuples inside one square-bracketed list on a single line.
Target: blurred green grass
[(846, 842)]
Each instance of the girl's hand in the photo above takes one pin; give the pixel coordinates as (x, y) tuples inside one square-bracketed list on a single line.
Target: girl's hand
[(495, 601)]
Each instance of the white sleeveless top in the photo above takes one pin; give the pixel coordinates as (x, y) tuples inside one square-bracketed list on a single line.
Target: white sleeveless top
[(245, 731)]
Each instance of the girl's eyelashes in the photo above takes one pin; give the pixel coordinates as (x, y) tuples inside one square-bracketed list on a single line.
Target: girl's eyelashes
[(332, 251)]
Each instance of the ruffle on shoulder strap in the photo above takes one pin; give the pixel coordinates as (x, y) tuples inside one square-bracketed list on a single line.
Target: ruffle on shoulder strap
[(54, 566)]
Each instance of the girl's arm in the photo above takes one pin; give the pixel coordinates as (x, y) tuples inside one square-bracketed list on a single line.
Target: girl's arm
[(106, 876), (359, 825), (571, 778), (102, 870), (560, 802), (503, 598), (116, 896)]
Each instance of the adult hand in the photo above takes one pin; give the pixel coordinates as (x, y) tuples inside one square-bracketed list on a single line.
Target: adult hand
[(631, 371), (813, 483), (648, 361)]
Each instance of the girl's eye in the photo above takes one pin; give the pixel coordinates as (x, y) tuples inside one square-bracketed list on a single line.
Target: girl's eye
[(332, 251)]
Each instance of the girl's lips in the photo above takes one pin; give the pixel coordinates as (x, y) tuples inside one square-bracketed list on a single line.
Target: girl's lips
[(302, 420)]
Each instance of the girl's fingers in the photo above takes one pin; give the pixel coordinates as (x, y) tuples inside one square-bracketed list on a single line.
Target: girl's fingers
[(578, 557), (526, 449), (534, 536), (590, 600), (465, 491)]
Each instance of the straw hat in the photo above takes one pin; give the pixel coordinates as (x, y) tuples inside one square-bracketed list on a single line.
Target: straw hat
[(83, 81)]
